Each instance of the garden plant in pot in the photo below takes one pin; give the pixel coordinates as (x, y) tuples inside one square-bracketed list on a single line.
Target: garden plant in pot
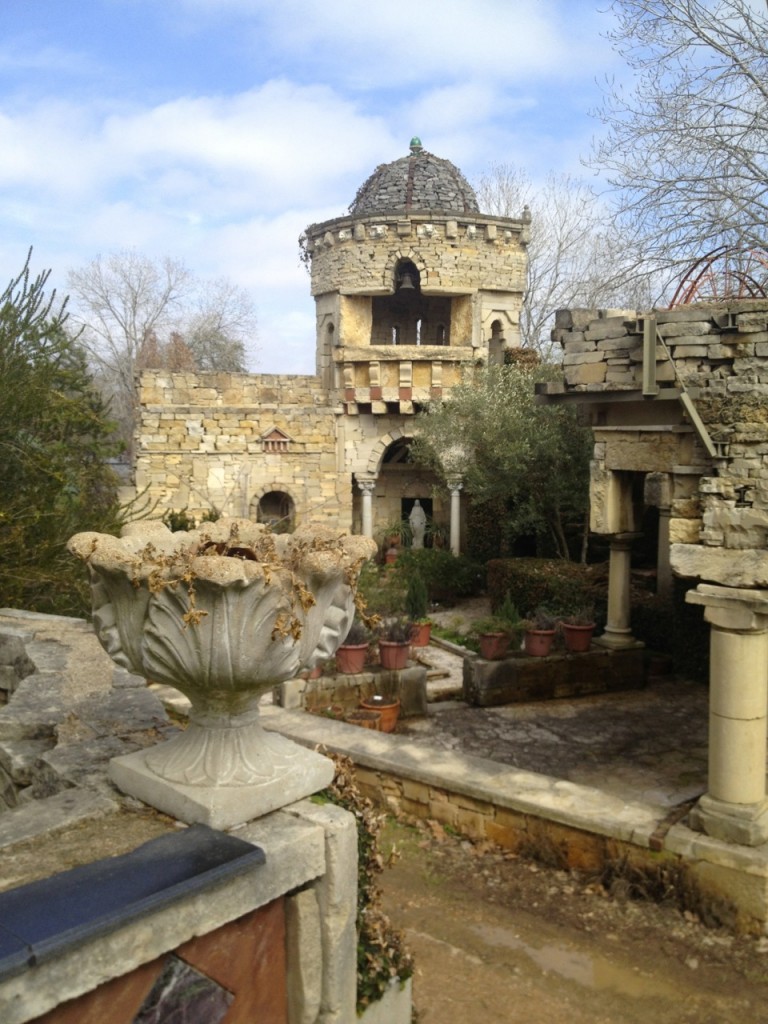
[(388, 709), (395, 642), (416, 609), (352, 653), (577, 629), (540, 631), (497, 632)]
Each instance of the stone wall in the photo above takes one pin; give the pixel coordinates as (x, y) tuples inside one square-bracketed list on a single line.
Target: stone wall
[(454, 255), (717, 355), (222, 441)]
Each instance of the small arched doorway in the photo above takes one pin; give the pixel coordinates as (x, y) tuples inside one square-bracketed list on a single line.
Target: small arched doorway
[(275, 509)]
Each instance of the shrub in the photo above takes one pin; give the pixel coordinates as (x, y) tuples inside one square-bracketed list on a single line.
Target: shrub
[(555, 583), (447, 576), (416, 598)]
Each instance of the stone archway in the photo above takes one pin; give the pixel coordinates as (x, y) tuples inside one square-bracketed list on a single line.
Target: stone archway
[(275, 508)]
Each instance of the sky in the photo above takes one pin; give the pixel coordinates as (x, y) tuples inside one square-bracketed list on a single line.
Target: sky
[(215, 131)]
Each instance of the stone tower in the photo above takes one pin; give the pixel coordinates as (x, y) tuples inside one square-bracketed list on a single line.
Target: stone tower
[(413, 283), (411, 286)]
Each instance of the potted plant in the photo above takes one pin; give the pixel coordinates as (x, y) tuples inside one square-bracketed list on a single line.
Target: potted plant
[(393, 537), (388, 709), (351, 654), (496, 632), (577, 629), (539, 633), (416, 609), (365, 718), (395, 642)]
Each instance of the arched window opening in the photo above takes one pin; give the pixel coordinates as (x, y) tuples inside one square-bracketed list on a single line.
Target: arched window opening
[(276, 509), (440, 334), (396, 334), (407, 277)]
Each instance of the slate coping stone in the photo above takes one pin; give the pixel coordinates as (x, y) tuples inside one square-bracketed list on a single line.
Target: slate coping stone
[(40, 920)]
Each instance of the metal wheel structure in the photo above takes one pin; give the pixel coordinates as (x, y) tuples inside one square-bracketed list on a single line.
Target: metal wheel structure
[(729, 272)]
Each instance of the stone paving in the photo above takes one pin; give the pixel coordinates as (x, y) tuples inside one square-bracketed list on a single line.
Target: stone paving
[(648, 745)]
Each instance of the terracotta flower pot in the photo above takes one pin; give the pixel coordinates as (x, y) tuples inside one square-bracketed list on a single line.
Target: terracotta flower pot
[(388, 709), (350, 658), (538, 642), (493, 646), (393, 655), (366, 719), (421, 634), (577, 639)]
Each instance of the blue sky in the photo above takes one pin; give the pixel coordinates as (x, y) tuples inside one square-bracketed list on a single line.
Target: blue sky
[(214, 131)]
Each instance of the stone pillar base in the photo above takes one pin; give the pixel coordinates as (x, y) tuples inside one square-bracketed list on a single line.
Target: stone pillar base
[(746, 824), (616, 640), (298, 774)]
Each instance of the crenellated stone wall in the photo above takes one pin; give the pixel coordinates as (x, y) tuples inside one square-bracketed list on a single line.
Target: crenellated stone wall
[(357, 255)]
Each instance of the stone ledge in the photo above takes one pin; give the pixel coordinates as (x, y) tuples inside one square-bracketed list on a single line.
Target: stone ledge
[(55, 812), (580, 807), (295, 855)]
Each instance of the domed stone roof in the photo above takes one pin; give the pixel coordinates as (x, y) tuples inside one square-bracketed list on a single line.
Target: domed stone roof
[(420, 181)]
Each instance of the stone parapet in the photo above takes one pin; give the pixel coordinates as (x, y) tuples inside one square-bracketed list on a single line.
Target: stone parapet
[(355, 255)]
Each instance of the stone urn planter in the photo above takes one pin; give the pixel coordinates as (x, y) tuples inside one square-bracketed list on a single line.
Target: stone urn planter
[(222, 613)]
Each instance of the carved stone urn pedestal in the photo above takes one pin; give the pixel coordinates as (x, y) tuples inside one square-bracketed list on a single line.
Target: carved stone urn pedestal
[(223, 614)]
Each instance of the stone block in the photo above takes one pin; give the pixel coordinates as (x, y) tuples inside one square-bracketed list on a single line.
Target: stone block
[(600, 330), (519, 678), (304, 951), (684, 531), (593, 373)]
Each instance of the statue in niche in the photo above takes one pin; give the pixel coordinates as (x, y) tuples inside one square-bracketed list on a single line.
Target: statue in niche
[(418, 521)]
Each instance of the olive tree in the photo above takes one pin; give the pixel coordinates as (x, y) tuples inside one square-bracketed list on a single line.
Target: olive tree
[(528, 460)]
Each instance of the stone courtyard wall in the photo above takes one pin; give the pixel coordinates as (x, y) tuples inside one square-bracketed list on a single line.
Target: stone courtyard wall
[(223, 440)]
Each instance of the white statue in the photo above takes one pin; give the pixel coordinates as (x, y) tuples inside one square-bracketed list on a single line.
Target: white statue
[(418, 521)]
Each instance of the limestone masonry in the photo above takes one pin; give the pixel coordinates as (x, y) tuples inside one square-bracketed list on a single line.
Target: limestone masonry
[(411, 286)]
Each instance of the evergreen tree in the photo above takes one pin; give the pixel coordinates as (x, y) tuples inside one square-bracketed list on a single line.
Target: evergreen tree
[(55, 438)]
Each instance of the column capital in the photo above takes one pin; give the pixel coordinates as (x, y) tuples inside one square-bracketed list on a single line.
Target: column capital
[(366, 482), (455, 484), (733, 608)]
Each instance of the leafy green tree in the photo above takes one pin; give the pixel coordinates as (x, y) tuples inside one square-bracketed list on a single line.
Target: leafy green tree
[(527, 462), (55, 438)]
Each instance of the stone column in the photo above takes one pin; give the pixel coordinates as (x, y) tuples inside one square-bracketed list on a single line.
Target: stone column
[(663, 565), (366, 485), (455, 487), (735, 808), (617, 629)]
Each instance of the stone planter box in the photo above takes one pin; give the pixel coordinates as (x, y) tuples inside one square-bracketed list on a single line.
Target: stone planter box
[(519, 678)]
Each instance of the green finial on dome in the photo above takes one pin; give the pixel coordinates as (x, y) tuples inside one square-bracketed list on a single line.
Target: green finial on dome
[(416, 146)]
